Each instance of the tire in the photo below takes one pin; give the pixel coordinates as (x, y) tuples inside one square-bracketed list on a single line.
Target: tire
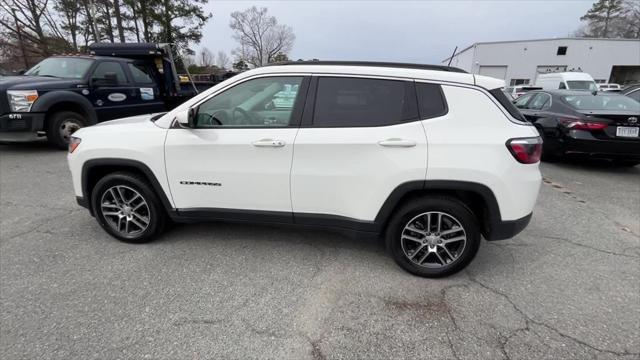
[(125, 220), (626, 163), (61, 125), (454, 214)]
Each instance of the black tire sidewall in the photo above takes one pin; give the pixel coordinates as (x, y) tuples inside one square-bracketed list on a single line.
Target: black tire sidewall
[(446, 205), (156, 221), (54, 123)]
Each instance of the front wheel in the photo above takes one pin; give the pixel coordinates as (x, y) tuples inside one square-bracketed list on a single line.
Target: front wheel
[(60, 127), (433, 236), (127, 208)]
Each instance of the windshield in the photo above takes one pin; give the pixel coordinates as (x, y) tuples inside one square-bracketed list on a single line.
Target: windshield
[(602, 102), (62, 67), (582, 85)]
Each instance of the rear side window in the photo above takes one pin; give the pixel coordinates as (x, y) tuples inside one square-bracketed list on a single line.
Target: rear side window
[(431, 102), (355, 102), (502, 99), (141, 74)]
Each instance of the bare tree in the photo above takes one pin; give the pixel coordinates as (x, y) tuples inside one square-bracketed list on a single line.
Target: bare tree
[(260, 36), (222, 60), (205, 57)]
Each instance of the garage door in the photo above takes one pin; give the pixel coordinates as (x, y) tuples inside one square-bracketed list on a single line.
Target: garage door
[(498, 72)]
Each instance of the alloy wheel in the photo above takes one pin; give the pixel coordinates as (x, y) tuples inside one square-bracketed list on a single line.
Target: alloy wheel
[(67, 128), (125, 210), (433, 239)]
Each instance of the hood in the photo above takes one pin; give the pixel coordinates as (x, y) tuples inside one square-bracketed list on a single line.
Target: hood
[(129, 120), (37, 83)]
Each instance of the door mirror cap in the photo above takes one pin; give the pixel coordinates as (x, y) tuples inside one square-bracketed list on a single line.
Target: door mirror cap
[(187, 117)]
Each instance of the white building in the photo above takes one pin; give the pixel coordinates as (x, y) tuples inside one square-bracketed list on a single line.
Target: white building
[(519, 62)]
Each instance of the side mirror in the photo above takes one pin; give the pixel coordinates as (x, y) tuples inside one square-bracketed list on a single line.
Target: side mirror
[(187, 117)]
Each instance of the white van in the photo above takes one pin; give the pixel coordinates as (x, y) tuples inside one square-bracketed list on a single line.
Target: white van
[(567, 80)]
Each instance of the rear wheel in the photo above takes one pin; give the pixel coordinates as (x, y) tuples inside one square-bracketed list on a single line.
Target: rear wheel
[(60, 127), (127, 208), (433, 237)]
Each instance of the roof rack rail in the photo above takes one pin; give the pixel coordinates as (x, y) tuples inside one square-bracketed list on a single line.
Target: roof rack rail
[(371, 63)]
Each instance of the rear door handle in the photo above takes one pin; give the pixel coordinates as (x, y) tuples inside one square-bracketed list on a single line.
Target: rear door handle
[(268, 143), (395, 142)]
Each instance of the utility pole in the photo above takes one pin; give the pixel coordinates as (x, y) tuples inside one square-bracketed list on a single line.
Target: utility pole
[(20, 42)]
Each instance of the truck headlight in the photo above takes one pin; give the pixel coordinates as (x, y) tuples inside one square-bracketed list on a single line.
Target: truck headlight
[(21, 100)]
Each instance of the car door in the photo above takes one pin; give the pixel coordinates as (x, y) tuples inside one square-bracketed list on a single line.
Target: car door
[(147, 92), (360, 138), (113, 92), (238, 156)]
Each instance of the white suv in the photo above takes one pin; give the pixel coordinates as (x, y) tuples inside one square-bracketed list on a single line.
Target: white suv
[(431, 157)]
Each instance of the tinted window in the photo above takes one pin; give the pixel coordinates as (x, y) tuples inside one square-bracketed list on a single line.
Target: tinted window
[(364, 102), (521, 102), (582, 85), (431, 102), (562, 50), (141, 74), (109, 67), (635, 95), (602, 102), (541, 101), (562, 86), (262, 102), (502, 99)]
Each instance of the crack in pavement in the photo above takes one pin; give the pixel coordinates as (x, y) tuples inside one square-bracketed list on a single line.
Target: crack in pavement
[(587, 246), (529, 319)]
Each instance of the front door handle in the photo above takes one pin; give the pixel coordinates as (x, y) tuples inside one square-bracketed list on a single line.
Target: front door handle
[(395, 142), (268, 143)]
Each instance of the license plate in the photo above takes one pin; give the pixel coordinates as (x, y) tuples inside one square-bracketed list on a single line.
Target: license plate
[(627, 131)]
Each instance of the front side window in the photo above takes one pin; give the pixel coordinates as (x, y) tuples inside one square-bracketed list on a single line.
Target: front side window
[(354, 102), (582, 85), (140, 73), (262, 102), (62, 67), (109, 73)]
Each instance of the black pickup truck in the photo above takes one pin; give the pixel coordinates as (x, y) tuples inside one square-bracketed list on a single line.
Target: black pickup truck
[(61, 94)]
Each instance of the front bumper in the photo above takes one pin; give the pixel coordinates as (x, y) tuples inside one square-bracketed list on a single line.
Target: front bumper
[(21, 122), (582, 142)]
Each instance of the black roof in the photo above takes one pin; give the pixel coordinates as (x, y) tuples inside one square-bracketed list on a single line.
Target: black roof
[(126, 49), (373, 63)]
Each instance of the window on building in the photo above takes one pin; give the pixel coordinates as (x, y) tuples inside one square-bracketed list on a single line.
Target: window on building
[(600, 81), (515, 82), (562, 50)]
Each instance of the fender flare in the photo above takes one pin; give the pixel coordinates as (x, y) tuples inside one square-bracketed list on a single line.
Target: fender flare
[(46, 101), (493, 216), (124, 163)]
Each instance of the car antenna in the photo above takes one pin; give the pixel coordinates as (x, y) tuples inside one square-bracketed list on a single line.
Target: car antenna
[(452, 55)]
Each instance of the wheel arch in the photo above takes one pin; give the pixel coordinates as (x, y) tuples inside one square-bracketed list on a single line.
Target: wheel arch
[(95, 169), (55, 101), (478, 197)]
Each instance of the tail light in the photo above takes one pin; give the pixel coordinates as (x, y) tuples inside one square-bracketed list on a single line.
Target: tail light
[(578, 124), (526, 150), (73, 143)]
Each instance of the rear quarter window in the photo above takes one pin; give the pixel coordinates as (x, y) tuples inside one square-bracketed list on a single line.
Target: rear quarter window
[(511, 109), (431, 100)]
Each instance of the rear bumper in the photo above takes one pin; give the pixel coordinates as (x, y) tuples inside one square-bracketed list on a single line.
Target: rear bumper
[(582, 142), (503, 230)]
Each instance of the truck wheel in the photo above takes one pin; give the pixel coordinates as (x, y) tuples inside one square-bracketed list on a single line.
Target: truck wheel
[(60, 127), (127, 208), (433, 236)]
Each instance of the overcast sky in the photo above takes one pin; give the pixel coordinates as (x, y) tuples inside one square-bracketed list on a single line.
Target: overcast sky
[(404, 31)]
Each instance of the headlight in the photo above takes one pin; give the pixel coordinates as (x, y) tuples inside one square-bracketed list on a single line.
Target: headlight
[(21, 100)]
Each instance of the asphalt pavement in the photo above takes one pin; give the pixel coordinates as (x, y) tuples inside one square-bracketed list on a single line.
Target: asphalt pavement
[(568, 287)]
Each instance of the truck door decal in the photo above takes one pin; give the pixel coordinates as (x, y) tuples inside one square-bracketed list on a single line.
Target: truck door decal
[(116, 97), (146, 93)]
